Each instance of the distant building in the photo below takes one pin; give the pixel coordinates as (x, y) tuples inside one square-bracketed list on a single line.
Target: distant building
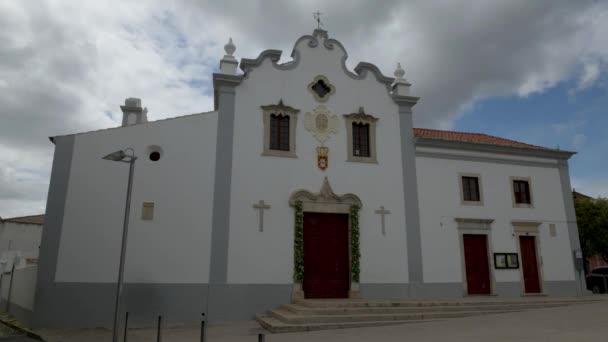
[(21, 235)]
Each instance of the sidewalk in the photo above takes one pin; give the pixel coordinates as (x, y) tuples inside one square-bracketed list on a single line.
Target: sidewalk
[(580, 323)]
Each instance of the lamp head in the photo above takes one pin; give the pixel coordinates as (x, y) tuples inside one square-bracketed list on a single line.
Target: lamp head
[(116, 156)]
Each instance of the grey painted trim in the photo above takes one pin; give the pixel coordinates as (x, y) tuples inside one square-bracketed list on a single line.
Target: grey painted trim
[(218, 271), (573, 234), (563, 288), (51, 233), (248, 64), (90, 305), (507, 289), (22, 314), (436, 290), (410, 194), (243, 301), (377, 291), (360, 73), (363, 67), (387, 291), (492, 148), (441, 155)]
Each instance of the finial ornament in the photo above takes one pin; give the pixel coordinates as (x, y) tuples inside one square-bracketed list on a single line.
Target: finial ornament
[(317, 16), (229, 48), (399, 72)]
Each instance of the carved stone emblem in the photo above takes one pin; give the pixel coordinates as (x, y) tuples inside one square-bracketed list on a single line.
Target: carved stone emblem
[(322, 157), (321, 123)]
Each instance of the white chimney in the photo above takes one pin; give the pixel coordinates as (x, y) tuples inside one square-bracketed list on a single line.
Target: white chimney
[(132, 113)]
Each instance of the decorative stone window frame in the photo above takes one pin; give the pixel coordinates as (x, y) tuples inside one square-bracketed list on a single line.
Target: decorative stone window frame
[(479, 185), (476, 226), (318, 78), (280, 109), (529, 228), (326, 201), (512, 190), (361, 117)]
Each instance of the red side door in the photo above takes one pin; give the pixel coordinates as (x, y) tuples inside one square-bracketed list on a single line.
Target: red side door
[(529, 262), (326, 262), (477, 267)]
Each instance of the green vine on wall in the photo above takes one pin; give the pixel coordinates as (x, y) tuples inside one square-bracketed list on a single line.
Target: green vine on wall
[(355, 254), (298, 274)]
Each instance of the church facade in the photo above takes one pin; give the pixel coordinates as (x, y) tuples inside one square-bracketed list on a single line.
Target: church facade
[(307, 180)]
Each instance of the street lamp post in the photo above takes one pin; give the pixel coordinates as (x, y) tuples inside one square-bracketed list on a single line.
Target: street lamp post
[(122, 156)]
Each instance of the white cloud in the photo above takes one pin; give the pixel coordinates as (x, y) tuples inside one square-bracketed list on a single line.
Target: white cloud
[(66, 66), (591, 72)]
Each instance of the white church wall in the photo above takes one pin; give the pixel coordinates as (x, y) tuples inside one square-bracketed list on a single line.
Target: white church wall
[(440, 203), (267, 257), (171, 248)]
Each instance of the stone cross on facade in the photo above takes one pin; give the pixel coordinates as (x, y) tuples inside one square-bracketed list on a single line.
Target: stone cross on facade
[(382, 212), (261, 206)]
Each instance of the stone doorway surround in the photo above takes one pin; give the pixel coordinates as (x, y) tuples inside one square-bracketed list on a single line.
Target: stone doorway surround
[(326, 201), (529, 228), (476, 226)]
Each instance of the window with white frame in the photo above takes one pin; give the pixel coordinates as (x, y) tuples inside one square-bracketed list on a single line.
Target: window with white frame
[(279, 130), (361, 133)]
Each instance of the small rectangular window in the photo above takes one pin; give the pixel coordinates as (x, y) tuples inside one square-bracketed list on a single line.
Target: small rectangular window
[(279, 132), (470, 189), (521, 190), (361, 140), (147, 211)]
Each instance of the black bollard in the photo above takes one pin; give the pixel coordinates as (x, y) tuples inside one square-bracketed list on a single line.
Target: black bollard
[(203, 334), (124, 338), (158, 329), (261, 338)]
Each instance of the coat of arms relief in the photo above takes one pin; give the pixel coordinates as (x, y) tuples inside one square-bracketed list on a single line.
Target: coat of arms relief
[(321, 123)]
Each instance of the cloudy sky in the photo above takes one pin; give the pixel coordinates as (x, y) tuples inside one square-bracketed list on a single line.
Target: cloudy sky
[(528, 70)]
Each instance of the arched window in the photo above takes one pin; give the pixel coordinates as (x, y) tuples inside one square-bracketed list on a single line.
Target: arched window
[(361, 139), (279, 132)]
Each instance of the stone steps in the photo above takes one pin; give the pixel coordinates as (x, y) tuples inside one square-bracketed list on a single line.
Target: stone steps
[(323, 303), (308, 310), (274, 325), (289, 317), (305, 315)]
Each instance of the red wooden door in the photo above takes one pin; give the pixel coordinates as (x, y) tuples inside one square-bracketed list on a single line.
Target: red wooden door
[(326, 266), (527, 246), (476, 264)]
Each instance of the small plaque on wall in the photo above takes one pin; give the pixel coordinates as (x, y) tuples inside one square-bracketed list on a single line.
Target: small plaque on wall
[(506, 261)]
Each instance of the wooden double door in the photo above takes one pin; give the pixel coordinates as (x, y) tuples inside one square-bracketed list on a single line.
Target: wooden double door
[(326, 256), (477, 266)]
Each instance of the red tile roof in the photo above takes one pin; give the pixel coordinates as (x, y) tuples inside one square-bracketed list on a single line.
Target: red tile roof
[(471, 137), (33, 219)]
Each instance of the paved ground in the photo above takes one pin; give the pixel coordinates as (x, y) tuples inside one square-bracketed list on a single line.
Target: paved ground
[(580, 323)]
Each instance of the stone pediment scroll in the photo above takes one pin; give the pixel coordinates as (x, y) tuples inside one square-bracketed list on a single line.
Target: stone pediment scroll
[(325, 196)]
